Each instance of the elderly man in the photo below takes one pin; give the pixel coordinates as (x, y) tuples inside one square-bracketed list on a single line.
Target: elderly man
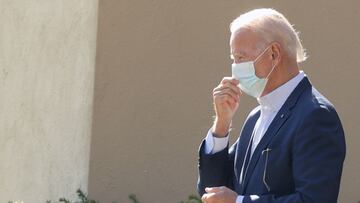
[(291, 147)]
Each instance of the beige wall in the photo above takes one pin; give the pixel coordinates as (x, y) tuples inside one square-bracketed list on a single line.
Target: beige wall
[(47, 52), (157, 62)]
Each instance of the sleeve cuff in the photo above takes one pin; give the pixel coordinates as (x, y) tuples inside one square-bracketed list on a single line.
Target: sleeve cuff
[(239, 199), (215, 144)]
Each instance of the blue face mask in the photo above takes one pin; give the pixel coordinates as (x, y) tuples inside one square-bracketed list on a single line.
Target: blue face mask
[(248, 81)]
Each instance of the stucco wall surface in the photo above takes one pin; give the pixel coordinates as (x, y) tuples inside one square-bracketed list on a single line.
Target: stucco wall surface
[(47, 55)]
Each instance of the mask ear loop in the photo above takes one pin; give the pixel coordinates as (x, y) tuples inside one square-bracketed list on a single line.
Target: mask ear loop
[(271, 71), (262, 53)]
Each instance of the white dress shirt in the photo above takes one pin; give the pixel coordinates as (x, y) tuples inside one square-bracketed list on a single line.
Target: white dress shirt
[(270, 104)]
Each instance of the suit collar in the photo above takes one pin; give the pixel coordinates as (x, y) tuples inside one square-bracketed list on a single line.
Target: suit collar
[(273, 101)]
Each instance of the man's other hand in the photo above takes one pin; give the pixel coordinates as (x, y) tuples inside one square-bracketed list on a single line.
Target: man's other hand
[(219, 195)]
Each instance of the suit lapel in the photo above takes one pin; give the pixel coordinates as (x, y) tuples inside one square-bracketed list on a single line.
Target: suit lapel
[(275, 126), (243, 142)]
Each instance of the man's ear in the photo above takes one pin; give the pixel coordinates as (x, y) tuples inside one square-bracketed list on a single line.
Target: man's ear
[(276, 50)]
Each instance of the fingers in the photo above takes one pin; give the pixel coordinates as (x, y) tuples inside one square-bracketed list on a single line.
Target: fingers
[(229, 80), (227, 89), (206, 196), (211, 197), (228, 84), (213, 194), (219, 194)]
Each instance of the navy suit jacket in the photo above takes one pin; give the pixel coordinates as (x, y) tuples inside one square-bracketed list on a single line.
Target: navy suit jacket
[(299, 158)]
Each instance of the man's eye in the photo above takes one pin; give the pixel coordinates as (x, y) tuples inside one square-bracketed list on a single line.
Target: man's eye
[(239, 59)]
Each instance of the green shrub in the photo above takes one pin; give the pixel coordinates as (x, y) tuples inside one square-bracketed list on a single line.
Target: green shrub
[(83, 198)]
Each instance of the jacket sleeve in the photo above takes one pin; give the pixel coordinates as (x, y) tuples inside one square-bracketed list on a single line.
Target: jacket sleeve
[(318, 152), (215, 169)]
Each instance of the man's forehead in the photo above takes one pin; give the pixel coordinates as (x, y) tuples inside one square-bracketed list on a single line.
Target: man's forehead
[(243, 40)]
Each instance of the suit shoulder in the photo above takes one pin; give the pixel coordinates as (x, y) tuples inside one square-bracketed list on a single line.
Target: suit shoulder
[(313, 101), (313, 105)]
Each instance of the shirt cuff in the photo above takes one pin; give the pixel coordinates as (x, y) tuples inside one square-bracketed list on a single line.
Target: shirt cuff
[(215, 144), (239, 199)]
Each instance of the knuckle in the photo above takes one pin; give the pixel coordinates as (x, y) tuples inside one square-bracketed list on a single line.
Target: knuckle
[(216, 94), (229, 84), (218, 87), (226, 79)]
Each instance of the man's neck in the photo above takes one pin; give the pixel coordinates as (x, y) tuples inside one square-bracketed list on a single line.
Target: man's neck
[(280, 78)]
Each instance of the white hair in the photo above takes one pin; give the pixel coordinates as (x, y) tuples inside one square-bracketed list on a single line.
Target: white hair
[(272, 26)]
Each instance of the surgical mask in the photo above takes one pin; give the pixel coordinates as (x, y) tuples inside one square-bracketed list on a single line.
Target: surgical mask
[(248, 81)]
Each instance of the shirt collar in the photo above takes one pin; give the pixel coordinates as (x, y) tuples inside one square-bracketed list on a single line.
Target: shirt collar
[(275, 99)]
